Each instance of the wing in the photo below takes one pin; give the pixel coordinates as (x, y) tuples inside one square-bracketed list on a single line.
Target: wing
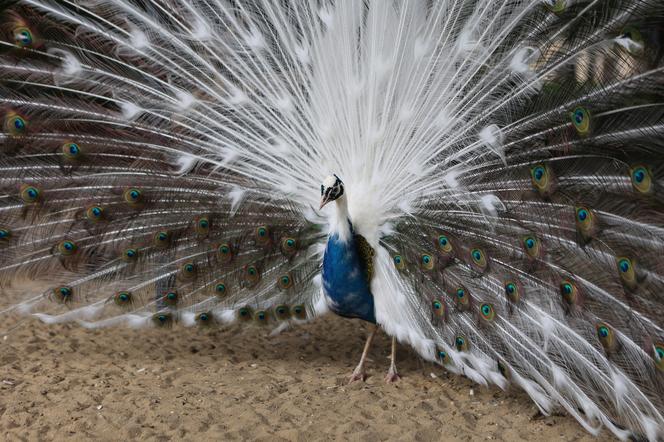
[(531, 253)]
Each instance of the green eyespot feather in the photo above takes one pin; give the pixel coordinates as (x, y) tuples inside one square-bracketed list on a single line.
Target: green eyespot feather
[(569, 292), (444, 244), (426, 262), (162, 319), (285, 281), (202, 225), (63, 294), (606, 336), (581, 120), (171, 298), (513, 291), (224, 253), (288, 246), (262, 235), (627, 272), (282, 312), (67, 248), (123, 298), (188, 270), (205, 319), (399, 262), (129, 254), (461, 343), (161, 239), (5, 234), (532, 246), (478, 259), (443, 357), (299, 312), (30, 194), (487, 312), (658, 355), (261, 317), (71, 151), (95, 214), (462, 297), (220, 289), (245, 314), (641, 178), (15, 124), (438, 307), (251, 275), (541, 177), (133, 196)]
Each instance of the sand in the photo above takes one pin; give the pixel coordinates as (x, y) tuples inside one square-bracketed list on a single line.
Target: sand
[(64, 382)]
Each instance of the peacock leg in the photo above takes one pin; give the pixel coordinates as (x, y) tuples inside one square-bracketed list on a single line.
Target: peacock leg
[(392, 375), (359, 374)]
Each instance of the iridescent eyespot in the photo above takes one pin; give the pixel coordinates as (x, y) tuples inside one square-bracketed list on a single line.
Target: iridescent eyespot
[(532, 247), (122, 298), (300, 312), (30, 194), (282, 312), (641, 178), (585, 223), (71, 151), (133, 196), (606, 336), (399, 262), (627, 272), (224, 253), (478, 258), (658, 355), (23, 37), (462, 298), (581, 120), (444, 244), (438, 307), (285, 282), (63, 294), (288, 246), (15, 124), (251, 275), (188, 270), (541, 178), (171, 298), (161, 239), (202, 225), (512, 291), (129, 254), (94, 214), (461, 343), (220, 289), (261, 317), (162, 319), (487, 312), (426, 262), (555, 5), (204, 318), (569, 292), (443, 357), (5, 234), (262, 235), (244, 314), (67, 248), (636, 44)]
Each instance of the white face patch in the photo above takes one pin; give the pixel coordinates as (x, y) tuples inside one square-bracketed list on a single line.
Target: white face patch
[(329, 181)]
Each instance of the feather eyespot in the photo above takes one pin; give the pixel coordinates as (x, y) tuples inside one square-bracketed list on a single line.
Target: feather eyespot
[(426, 262), (542, 179), (188, 270), (95, 214), (129, 254), (487, 312), (438, 307), (262, 235), (251, 275), (641, 178), (285, 281), (581, 120), (606, 336), (161, 239), (512, 291), (5, 234), (220, 289), (300, 312), (71, 151), (224, 253), (30, 194), (555, 5), (133, 196), (15, 124), (627, 272), (282, 312), (585, 223), (444, 244), (261, 317), (658, 355), (67, 248), (202, 225), (461, 343), (478, 258), (288, 246), (245, 314), (23, 37), (171, 298), (163, 319), (63, 294), (532, 246), (399, 262), (569, 292), (462, 298), (205, 318), (123, 298), (443, 357)]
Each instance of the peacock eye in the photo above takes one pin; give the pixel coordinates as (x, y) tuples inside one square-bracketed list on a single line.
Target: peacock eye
[(244, 314), (426, 262), (67, 248), (129, 254), (161, 239), (5, 234), (204, 318), (581, 120), (94, 213), (487, 311), (479, 258), (30, 194), (122, 298), (510, 288), (63, 294), (627, 272), (133, 196), (285, 281), (261, 316), (460, 343), (569, 292), (444, 244), (23, 37), (641, 179), (262, 235), (288, 246), (15, 124), (282, 312), (624, 265), (538, 173), (162, 319), (658, 355), (202, 225), (71, 151), (460, 293), (220, 289), (582, 214)]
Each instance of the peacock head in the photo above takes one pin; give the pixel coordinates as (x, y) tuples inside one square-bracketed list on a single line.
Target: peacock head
[(331, 189)]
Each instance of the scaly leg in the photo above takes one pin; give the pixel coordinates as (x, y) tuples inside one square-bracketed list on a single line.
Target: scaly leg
[(392, 375), (359, 374)]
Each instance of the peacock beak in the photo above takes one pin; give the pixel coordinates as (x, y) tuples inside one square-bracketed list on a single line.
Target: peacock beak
[(323, 201)]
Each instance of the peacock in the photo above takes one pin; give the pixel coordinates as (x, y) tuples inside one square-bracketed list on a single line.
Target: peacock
[(491, 179)]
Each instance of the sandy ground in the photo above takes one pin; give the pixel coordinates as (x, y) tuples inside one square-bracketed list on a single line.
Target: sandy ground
[(63, 382)]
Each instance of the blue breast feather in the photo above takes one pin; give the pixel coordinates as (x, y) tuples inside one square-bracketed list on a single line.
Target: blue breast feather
[(344, 280)]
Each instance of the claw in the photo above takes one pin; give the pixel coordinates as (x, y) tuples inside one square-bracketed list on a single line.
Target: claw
[(392, 377), (357, 376)]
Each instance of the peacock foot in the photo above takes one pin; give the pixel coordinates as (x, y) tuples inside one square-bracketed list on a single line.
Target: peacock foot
[(358, 375), (392, 376)]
